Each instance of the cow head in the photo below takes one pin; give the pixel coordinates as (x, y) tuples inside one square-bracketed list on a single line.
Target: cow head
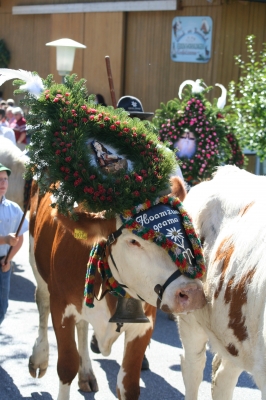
[(141, 265)]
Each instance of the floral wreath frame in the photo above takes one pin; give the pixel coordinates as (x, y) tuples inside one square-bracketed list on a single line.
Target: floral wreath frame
[(62, 121), (215, 144)]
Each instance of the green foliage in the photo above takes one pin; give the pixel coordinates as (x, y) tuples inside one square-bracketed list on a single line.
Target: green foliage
[(4, 54), (63, 122), (248, 100)]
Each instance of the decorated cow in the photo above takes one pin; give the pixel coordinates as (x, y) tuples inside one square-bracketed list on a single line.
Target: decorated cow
[(99, 218), (229, 215)]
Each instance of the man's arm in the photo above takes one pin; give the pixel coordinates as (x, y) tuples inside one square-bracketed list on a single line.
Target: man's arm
[(13, 252), (10, 239)]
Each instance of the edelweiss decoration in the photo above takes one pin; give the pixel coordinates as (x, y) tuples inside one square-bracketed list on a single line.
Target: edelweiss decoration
[(101, 157), (197, 131), (164, 222)]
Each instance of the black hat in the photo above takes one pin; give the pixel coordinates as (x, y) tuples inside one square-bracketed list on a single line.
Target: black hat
[(134, 107)]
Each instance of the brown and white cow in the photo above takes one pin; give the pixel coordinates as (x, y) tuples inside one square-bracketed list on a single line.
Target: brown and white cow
[(59, 263), (229, 215)]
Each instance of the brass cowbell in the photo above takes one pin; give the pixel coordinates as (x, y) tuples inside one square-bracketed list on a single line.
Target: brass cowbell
[(128, 310)]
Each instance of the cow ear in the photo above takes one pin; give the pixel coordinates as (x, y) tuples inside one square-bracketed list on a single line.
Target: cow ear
[(178, 188), (90, 227)]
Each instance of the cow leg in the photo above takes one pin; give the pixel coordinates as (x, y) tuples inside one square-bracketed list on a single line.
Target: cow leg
[(68, 356), (224, 378), (87, 380), (136, 342), (40, 352), (193, 360)]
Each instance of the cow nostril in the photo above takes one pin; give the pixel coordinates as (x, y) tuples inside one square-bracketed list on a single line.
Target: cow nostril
[(183, 295)]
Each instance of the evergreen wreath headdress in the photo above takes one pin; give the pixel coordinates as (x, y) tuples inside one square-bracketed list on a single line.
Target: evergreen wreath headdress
[(63, 121), (214, 142)]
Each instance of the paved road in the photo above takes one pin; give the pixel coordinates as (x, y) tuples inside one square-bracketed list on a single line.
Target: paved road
[(19, 330)]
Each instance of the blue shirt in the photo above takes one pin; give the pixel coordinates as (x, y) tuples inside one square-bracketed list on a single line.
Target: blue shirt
[(10, 217)]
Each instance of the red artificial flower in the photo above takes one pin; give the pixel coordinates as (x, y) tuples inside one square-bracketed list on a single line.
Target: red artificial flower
[(138, 178), (89, 190), (58, 152), (92, 177), (126, 177), (55, 100), (113, 127), (68, 159), (136, 193), (76, 174)]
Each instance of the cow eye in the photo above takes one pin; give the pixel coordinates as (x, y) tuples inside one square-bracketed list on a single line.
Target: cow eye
[(134, 242)]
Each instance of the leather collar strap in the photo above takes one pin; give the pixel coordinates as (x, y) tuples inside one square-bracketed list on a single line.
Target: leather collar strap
[(110, 240), (159, 289)]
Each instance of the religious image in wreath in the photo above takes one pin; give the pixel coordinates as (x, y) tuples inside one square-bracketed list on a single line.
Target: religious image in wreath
[(198, 131), (107, 160), (186, 145)]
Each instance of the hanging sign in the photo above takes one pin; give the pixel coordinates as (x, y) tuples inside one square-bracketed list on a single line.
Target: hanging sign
[(191, 39)]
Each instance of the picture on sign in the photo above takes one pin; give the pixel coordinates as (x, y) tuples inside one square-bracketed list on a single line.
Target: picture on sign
[(191, 39)]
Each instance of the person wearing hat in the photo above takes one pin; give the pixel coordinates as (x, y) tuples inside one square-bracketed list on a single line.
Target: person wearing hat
[(10, 218), (10, 102), (134, 107), (20, 128)]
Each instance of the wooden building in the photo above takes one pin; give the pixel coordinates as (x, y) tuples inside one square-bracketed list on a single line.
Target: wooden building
[(137, 37)]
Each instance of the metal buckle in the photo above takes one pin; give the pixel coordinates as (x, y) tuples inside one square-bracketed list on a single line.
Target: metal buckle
[(111, 239)]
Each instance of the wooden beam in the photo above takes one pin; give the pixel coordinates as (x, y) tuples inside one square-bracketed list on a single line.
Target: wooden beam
[(118, 6)]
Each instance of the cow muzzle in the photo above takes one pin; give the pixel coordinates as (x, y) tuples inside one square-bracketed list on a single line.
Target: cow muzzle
[(184, 298)]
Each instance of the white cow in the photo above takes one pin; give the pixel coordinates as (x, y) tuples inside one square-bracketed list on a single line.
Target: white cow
[(229, 215), (12, 157)]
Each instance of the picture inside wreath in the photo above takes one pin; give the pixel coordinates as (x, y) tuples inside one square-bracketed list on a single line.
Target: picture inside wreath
[(198, 134), (102, 158)]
